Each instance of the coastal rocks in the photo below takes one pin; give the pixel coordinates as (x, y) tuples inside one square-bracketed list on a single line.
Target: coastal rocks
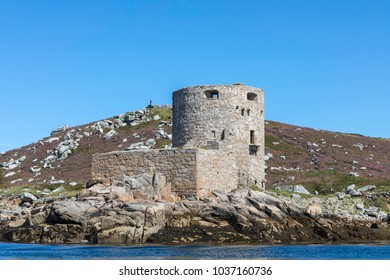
[(50, 234), (100, 215), (71, 212), (120, 235), (314, 210), (38, 216), (146, 186)]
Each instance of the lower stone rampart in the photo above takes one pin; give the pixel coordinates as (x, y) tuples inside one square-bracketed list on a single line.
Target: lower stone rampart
[(189, 173), (177, 165), (216, 172)]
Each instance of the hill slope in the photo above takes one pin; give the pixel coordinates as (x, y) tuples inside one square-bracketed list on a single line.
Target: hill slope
[(320, 160)]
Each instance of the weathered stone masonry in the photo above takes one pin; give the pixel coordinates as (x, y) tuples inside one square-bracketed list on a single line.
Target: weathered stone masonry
[(218, 143), (177, 165)]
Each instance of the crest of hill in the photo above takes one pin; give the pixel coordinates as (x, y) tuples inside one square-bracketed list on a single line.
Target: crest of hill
[(320, 160)]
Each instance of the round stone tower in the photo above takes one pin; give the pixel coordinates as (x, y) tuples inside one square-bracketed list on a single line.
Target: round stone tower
[(228, 118)]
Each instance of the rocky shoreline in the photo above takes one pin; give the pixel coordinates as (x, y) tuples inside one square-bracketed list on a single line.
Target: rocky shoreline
[(101, 216)]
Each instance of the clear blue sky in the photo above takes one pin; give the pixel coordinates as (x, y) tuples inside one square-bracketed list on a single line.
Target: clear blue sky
[(322, 64)]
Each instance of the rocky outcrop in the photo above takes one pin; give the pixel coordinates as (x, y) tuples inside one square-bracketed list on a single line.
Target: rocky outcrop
[(101, 215), (12, 163), (61, 151)]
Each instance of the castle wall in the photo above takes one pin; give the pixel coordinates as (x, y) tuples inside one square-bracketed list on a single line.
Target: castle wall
[(215, 172), (177, 165), (192, 173)]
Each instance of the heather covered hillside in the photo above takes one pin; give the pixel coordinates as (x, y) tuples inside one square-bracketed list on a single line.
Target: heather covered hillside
[(322, 161)]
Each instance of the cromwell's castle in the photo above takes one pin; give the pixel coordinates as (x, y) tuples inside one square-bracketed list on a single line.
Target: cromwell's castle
[(217, 145)]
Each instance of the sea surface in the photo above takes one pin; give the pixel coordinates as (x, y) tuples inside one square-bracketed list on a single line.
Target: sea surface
[(10, 251)]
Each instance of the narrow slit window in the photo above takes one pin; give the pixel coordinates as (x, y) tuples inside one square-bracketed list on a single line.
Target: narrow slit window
[(223, 135), (252, 137), (242, 112), (213, 134), (248, 112)]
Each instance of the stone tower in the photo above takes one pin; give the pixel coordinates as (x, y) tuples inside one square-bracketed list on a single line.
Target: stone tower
[(226, 119)]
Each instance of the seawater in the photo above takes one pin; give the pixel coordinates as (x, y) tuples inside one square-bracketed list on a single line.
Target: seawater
[(9, 251)]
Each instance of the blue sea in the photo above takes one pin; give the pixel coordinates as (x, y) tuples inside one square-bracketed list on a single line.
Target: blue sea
[(9, 251)]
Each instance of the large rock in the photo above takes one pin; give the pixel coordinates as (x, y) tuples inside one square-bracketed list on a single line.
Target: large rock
[(59, 130), (314, 210), (71, 212), (340, 195), (48, 160), (28, 197), (9, 174), (137, 146), (12, 163), (110, 134), (366, 188), (146, 186), (296, 189), (352, 191), (372, 211)]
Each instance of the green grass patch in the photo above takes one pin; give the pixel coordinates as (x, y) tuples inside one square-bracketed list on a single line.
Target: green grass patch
[(164, 113), (81, 150), (161, 143), (380, 203), (270, 140), (254, 188), (129, 128), (325, 182), (38, 189), (383, 187), (319, 173)]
